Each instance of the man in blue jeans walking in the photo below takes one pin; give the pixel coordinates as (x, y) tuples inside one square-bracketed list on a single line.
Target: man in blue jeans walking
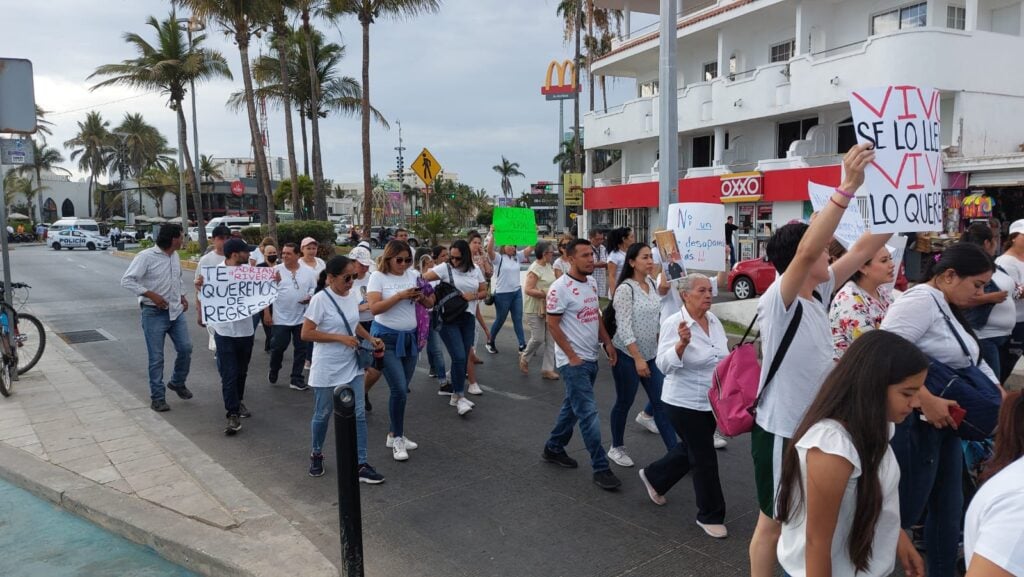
[(155, 276), (574, 321)]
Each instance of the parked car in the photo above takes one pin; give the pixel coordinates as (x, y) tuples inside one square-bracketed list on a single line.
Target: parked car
[(749, 278), (72, 239), (380, 235), (543, 230)]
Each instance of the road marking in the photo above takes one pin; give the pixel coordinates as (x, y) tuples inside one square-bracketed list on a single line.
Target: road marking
[(81, 266), (506, 394)]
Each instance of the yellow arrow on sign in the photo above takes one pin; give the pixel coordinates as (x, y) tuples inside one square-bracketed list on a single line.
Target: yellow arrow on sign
[(426, 167)]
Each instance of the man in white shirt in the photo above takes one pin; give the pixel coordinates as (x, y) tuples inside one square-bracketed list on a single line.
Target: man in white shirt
[(600, 260), (574, 322), (508, 290), (294, 290), (154, 275)]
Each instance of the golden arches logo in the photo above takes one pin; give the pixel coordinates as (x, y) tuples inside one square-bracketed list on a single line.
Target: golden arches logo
[(562, 88)]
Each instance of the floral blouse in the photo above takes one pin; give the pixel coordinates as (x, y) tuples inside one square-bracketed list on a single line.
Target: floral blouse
[(854, 312)]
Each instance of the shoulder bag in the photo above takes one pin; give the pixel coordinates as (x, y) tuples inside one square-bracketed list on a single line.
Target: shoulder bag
[(364, 352), (449, 304)]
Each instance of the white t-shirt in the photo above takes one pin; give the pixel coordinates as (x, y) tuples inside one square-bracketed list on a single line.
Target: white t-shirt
[(293, 288), (808, 360), (671, 302), (577, 303), (320, 266), (618, 258), (830, 437), (506, 273), (257, 255), (402, 316), (1003, 316), (333, 364), (359, 288), (210, 259), (464, 281), (917, 317), (993, 526), (562, 265), (1015, 268)]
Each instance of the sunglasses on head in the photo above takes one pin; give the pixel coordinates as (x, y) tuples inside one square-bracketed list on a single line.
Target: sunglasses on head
[(402, 260)]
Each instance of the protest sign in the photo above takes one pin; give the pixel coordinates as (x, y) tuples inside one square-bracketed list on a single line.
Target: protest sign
[(234, 293), (668, 252), (700, 234), (851, 226), (515, 226), (904, 180)]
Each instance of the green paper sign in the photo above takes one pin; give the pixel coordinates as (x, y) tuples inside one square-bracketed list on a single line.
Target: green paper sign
[(515, 226)]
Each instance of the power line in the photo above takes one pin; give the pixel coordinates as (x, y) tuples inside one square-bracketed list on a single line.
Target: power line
[(50, 114)]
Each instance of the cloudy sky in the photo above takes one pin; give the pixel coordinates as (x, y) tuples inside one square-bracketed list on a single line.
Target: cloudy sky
[(465, 83)]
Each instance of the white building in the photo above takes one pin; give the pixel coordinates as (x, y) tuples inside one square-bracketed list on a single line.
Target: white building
[(239, 168), (762, 95)]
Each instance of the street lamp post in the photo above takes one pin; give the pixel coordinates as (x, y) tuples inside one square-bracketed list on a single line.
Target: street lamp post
[(190, 25)]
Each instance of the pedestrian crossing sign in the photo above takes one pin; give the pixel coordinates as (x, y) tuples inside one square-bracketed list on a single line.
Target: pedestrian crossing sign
[(426, 167)]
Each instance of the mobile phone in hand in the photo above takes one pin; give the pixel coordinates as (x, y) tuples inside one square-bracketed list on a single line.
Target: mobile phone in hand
[(957, 414)]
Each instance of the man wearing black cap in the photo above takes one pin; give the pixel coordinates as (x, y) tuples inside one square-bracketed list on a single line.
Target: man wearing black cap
[(234, 348), (215, 257)]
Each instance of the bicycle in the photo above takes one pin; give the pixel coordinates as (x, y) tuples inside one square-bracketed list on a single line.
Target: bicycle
[(22, 341)]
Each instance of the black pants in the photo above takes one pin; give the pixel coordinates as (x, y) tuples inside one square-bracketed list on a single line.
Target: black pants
[(233, 354), (697, 454), (281, 334)]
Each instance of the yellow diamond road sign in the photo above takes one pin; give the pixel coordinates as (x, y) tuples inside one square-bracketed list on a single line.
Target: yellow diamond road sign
[(426, 167)]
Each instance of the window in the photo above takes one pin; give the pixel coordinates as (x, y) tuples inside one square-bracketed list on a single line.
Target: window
[(648, 89), (792, 131), (913, 16), (956, 17), (782, 52), (846, 138), (703, 151), (710, 71)]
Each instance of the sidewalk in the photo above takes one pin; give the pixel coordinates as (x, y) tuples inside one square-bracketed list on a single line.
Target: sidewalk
[(73, 436)]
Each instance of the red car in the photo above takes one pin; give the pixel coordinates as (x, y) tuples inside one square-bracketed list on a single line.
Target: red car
[(749, 278)]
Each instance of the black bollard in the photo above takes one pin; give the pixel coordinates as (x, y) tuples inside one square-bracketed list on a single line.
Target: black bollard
[(350, 513)]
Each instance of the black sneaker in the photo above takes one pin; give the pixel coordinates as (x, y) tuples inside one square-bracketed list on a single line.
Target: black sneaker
[(299, 386), (243, 411), (367, 474), (272, 377), (432, 374), (522, 348), (367, 404), (445, 389), (316, 465), (607, 480), (234, 425), (181, 390), (561, 459), (160, 406), (491, 348)]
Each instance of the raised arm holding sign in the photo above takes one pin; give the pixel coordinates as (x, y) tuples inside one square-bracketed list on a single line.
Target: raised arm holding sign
[(514, 226)]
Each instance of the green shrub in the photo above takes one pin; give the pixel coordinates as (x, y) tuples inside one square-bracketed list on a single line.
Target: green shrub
[(191, 247), (253, 234), (295, 231), (146, 243)]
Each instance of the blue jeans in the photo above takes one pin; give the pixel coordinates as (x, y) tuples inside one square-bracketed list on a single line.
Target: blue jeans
[(156, 324), (435, 356), (990, 352), (280, 335), (505, 303), (579, 404), (398, 371), (233, 354), (458, 339), (323, 407), (931, 478), (627, 381)]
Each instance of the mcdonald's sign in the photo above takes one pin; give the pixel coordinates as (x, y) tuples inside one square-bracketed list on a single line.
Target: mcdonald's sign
[(562, 90)]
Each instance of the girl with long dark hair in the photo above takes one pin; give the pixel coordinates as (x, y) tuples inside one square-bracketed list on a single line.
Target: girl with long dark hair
[(838, 495), (928, 450), (618, 242)]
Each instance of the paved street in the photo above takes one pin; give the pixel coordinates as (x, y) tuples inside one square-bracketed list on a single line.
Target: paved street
[(473, 500)]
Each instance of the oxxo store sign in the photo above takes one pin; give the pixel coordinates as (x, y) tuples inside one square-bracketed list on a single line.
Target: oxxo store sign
[(742, 187)]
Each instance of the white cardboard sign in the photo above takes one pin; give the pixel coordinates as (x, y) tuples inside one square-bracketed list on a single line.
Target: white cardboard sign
[(700, 234), (234, 293), (851, 226)]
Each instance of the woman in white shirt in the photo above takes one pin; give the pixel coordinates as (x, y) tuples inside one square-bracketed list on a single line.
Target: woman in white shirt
[(457, 335), (561, 264), (993, 314), (637, 307), (691, 343), (309, 247), (539, 277), (392, 293), (929, 451), (618, 242), (508, 290), (331, 322), (1012, 260), (838, 495), (993, 546)]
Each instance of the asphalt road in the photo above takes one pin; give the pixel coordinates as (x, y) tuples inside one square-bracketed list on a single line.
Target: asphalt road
[(474, 499)]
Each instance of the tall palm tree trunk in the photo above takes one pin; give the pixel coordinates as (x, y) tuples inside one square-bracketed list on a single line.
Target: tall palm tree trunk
[(89, 196), (590, 55), (281, 33), (367, 178), (305, 141), (242, 39), (319, 197), (39, 191), (197, 196)]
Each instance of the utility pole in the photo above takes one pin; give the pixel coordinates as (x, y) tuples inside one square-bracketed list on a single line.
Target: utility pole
[(400, 159), (668, 129), (577, 157)]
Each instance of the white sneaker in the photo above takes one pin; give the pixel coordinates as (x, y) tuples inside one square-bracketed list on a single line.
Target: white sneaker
[(619, 456), (409, 444), (398, 450), (647, 422), (453, 402), (720, 441), (716, 531), (464, 406), (474, 389)]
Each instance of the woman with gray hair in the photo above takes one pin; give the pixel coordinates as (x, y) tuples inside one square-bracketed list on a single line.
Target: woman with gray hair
[(538, 280), (691, 343)]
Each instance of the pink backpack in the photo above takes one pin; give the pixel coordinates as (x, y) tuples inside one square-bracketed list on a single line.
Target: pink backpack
[(733, 394)]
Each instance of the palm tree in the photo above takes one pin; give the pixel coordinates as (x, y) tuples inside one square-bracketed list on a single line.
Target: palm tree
[(169, 66), (45, 158), (282, 34), (367, 12), (210, 171), (564, 158), (43, 125), (140, 146), (242, 19), (91, 146), (507, 170), (157, 181)]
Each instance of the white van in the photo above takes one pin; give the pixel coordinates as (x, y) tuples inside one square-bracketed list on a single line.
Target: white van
[(232, 222), (85, 224)]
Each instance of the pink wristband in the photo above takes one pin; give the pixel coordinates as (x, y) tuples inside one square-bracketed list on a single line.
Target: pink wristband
[(844, 193)]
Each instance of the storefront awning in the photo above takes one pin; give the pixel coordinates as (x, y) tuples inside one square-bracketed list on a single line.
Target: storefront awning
[(997, 178)]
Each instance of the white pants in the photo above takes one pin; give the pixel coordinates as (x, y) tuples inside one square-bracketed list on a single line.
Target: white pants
[(539, 336)]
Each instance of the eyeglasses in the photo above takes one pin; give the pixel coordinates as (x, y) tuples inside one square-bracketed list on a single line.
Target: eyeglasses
[(402, 260), (347, 278), (455, 258)]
